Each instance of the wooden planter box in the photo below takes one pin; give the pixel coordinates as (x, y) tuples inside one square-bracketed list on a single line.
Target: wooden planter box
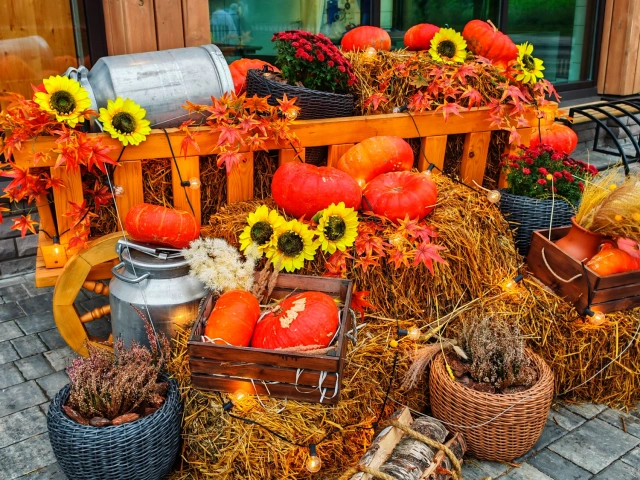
[(271, 372), (603, 294)]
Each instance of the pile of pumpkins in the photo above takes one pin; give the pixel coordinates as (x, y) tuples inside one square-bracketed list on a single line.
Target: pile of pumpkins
[(373, 175)]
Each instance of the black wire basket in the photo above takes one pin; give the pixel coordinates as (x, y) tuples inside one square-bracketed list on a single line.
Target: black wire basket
[(145, 449), (525, 215)]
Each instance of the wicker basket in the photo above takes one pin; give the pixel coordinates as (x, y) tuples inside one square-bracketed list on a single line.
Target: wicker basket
[(142, 450), (508, 425), (527, 214)]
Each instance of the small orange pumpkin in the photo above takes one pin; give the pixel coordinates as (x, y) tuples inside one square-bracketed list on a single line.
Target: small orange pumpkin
[(365, 36), (233, 319), (239, 69), (419, 36), (557, 135), (161, 225), (484, 39)]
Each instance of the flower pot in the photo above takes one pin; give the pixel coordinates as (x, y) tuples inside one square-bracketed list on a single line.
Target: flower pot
[(495, 426), (145, 449), (526, 215), (581, 243)]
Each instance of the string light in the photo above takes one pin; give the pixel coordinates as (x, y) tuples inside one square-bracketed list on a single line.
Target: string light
[(194, 183), (369, 54), (313, 461), (596, 318), (429, 169), (494, 196), (414, 333), (292, 114), (511, 284), (118, 190), (397, 240), (238, 396)]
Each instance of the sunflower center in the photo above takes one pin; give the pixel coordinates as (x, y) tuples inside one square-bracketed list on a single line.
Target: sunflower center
[(124, 122), (291, 244), (335, 228), (447, 48), (261, 232), (62, 102), (528, 62)]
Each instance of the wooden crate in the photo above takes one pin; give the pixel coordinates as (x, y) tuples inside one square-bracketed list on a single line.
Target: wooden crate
[(589, 290), (294, 375)]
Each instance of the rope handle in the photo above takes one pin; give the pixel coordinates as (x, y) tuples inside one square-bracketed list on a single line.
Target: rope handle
[(544, 258)]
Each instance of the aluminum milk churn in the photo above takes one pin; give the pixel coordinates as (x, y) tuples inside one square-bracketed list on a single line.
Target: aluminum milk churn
[(160, 82), (156, 281)]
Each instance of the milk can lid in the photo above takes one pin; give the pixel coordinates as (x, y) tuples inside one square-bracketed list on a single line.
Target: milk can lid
[(145, 257)]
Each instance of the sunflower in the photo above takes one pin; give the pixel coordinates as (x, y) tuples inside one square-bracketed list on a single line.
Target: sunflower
[(530, 68), (65, 98), (337, 228), (291, 245), (124, 120), (260, 227), (448, 46)]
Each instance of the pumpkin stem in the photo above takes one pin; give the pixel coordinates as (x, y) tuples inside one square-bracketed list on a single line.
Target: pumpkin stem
[(495, 29)]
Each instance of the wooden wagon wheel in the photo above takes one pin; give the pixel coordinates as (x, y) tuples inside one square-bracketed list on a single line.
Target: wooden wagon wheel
[(73, 278)]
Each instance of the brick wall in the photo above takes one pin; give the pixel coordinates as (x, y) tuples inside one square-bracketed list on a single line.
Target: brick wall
[(17, 255)]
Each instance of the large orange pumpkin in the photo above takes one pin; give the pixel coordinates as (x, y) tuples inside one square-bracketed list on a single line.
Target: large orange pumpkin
[(239, 69), (304, 189), (308, 319), (419, 36), (486, 40), (612, 260), (397, 194), (233, 319), (374, 156), (558, 135), (365, 36), (161, 225)]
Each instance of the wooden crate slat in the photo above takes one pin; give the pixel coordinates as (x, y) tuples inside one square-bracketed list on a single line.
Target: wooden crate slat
[(617, 304), (71, 192), (169, 32), (513, 149), (603, 296), (128, 175), (195, 22), (287, 155), (189, 167), (618, 280), (240, 180), (316, 284), (336, 151), (474, 157), (433, 148)]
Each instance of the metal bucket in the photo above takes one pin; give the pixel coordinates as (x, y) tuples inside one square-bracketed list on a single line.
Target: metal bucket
[(160, 82), (156, 281)]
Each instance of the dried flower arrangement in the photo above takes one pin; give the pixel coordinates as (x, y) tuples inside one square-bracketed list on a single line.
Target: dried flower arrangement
[(110, 388)]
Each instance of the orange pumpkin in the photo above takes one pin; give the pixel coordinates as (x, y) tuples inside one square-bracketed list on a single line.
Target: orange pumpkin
[(161, 225), (396, 194), (360, 38), (419, 36), (308, 319), (239, 69), (233, 319), (612, 260), (374, 156), (557, 135), (485, 40)]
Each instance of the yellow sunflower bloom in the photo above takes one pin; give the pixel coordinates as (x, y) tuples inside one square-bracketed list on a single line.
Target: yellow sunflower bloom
[(291, 245), (337, 228), (65, 98), (124, 120), (261, 225), (530, 68), (448, 46)]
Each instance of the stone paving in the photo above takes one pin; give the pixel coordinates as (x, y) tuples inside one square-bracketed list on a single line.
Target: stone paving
[(580, 442)]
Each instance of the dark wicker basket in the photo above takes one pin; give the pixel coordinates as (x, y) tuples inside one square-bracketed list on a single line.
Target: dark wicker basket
[(142, 450), (525, 215)]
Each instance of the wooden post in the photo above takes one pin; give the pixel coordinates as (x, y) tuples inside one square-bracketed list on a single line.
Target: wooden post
[(240, 180), (46, 223), (474, 157), (525, 139), (130, 26), (196, 22), (189, 167), (335, 152), (128, 175), (72, 192), (289, 155), (433, 148), (169, 32)]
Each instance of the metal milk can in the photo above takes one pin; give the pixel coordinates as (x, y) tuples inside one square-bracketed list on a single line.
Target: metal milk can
[(156, 281), (160, 82)]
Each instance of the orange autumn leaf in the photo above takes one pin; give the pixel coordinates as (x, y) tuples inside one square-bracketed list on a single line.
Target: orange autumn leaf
[(358, 302), (399, 258), (24, 224), (3, 209), (287, 105)]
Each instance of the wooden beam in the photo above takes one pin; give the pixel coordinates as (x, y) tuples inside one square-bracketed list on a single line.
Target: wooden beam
[(169, 31), (189, 167), (196, 22), (240, 180), (130, 26)]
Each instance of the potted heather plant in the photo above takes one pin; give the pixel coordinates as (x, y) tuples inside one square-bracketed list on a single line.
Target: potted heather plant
[(544, 189), (119, 417)]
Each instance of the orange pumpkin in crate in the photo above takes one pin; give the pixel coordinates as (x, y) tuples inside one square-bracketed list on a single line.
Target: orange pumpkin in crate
[(557, 135), (239, 69), (233, 319), (308, 320), (484, 39), (161, 226), (360, 38), (374, 156), (419, 36)]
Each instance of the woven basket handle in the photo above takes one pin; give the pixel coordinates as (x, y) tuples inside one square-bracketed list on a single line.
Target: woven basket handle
[(544, 258)]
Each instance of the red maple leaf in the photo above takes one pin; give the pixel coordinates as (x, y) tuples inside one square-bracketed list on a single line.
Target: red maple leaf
[(3, 209), (369, 244), (79, 213), (218, 111), (257, 104), (514, 136), (100, 193), (425, 233), (358, 302), (449, 108), (287, 105), (229, 135), (336, 265), (229, 159), (256, 142), (427, 253), (54, 183), (367, 261), (399, 257), (99, 156), (23, 224), (466, 70), (474, 96), (194, 108), (419, 102), (79, 240), (409, 226), (247, 123), (376, 99)]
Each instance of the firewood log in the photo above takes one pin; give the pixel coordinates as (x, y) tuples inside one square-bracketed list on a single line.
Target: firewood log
[(441, 465)]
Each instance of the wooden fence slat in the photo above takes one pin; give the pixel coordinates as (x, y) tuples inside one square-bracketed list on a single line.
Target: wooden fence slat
[(289, 155), (46, 223), (474, 157), (128, 175), (433, 148), (604, 46), (525, 139), (240, 180), (336, 151), (169, 31), (195, 21), (72, 192), (189, 167), (130, 26)]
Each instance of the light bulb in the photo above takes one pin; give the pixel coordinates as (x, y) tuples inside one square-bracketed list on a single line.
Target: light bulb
[(238, 396), (118, 190), (313, 461), (493, 196), (414, 333), (56, 250), (597, 318), (396, 240), (371, 50), (292, 114), (194, 183), (509, 285)]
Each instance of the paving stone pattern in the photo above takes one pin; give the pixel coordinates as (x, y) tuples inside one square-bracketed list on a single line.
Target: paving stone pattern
[(579, 442)]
